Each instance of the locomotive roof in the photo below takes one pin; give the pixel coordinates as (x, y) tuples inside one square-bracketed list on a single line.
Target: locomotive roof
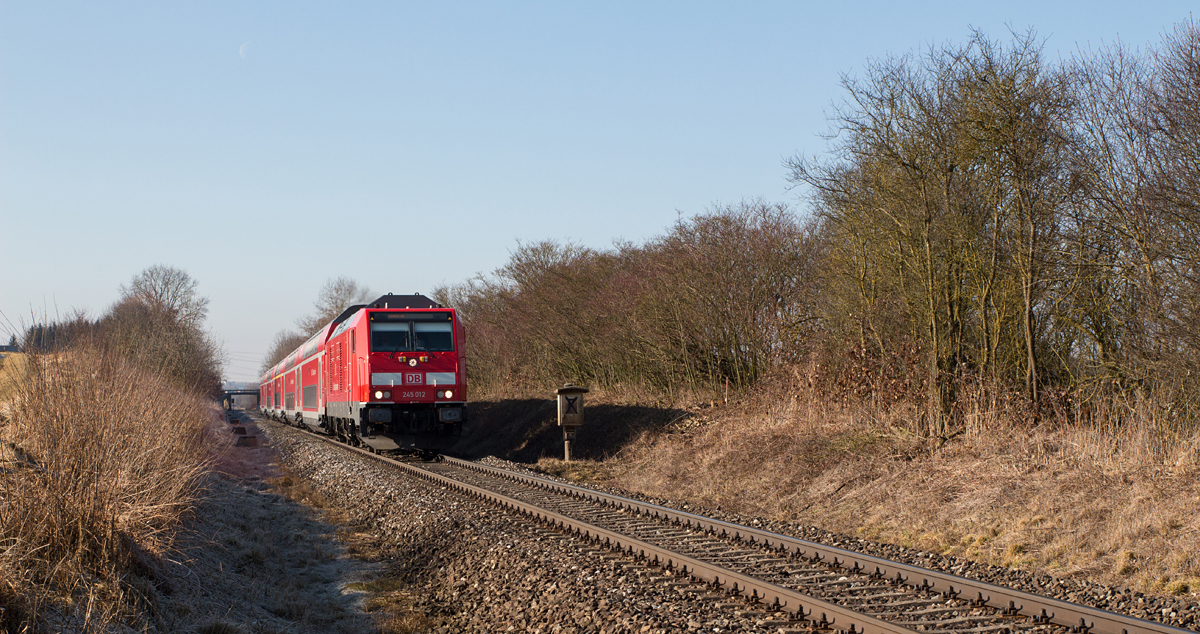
[(389, 301), (405, 301)]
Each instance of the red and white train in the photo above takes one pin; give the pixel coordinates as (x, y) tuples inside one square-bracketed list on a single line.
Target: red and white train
[(388, 375)]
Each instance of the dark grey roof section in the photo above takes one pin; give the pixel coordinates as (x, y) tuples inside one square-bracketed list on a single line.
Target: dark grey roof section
[(389, 301), (405, 301), (346, 314)]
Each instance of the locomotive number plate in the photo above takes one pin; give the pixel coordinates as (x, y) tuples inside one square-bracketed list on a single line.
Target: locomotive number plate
[(414, 394)]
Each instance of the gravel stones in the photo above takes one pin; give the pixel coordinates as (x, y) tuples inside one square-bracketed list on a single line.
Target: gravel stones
[(478, 569)]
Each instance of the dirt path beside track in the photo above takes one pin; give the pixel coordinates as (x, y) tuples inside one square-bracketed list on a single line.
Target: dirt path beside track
[(253, 560)]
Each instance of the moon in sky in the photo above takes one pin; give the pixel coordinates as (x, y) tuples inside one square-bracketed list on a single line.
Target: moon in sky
[(243, 48)]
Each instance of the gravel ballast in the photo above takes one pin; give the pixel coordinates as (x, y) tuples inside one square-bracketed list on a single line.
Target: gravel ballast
[(474, 569)]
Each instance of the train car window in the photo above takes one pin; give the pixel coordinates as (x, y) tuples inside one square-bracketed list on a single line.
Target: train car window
[(434, 336), (310, 348), (390, 337), (351, 342)]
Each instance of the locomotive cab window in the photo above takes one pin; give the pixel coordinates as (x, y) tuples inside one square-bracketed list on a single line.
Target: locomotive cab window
[(434, 336), (407, 332), (390, 337)]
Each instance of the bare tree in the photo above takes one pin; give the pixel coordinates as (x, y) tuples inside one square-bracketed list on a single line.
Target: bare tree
[(1139, 131), (902, 211), (726, 294), (944, 198), (335, 296), (155, 339), (1017, 116), (171, 290)]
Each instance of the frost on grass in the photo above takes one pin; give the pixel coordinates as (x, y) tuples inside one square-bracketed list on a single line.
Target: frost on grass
[(255, 560)]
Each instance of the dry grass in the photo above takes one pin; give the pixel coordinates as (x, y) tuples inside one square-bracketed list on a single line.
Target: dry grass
[(12, 368), (389, 602), (780, 463), (1117, 501), (254, 560), (392, 604), (100, 461), (576, 470)]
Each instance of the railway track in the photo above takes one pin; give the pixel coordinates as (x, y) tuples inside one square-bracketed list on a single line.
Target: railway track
[(822, 587)]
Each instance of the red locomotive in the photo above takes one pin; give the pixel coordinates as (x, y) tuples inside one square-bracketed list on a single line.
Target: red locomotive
[(388, 375)]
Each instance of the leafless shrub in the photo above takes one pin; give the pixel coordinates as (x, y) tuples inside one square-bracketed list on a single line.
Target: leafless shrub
[(157, 324), (153, 338), (725, 295), (103, 457), (1139, 134), (989, 226), (335, 296)]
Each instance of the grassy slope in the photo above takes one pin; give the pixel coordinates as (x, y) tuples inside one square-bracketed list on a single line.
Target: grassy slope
[(10, 367), (98, 462), (1121, 508)]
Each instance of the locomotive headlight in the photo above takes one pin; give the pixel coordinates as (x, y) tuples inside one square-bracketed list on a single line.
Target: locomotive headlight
[(448, 394), (387, 395), (378, 394)]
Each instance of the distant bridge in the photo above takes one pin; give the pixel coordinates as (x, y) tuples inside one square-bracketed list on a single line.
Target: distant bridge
[(227, 397)]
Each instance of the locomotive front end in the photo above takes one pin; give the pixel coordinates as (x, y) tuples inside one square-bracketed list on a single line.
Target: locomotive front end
[(416, 390)]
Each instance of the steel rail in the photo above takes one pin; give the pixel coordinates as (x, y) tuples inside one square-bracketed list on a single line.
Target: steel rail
[(832, 616), (1041, 609)]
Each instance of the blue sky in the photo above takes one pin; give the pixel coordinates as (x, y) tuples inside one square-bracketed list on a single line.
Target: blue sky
[(265, 147)]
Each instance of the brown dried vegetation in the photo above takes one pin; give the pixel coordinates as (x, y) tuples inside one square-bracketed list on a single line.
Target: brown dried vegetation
[(1115, 505), (101, 459), (103, 426)]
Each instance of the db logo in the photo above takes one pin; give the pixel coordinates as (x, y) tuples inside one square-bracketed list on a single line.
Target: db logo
[(412, 378)]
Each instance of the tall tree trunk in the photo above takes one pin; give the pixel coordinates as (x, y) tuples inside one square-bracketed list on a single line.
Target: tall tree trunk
[(1031, 374)]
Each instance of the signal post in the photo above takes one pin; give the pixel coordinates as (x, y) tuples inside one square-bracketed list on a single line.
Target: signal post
[(570, 414)]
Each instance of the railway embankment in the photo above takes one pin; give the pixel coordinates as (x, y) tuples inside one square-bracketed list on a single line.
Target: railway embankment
[(1050, 505), (448, 564), (101, 460)]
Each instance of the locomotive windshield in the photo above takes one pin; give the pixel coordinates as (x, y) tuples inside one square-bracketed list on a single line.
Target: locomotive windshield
[(400, 332), (393, 337), (434, 336)]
